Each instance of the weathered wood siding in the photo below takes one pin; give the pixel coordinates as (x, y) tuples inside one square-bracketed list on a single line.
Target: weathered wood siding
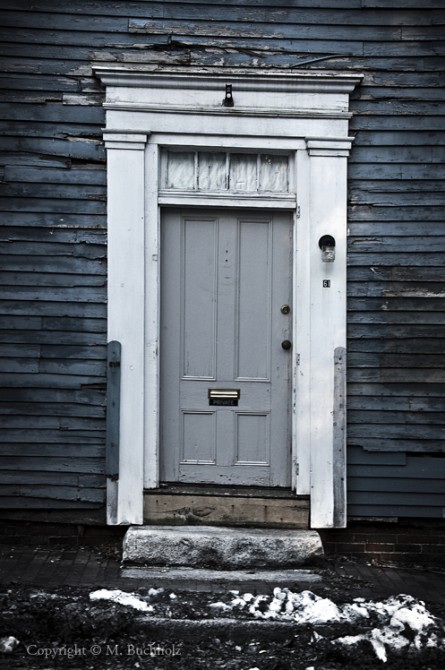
[(53, 273), (53, 270)]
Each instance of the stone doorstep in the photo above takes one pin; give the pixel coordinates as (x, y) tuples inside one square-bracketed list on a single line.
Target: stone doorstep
[(220, 548)]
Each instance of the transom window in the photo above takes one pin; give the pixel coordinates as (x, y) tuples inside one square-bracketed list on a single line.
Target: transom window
[(224, 172)]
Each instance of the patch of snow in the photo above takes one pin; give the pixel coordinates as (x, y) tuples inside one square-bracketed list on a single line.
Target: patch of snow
[(354, 612), (397, 624), (349, 640), (416, 617), (319, 612), (304, 607), (155, 592), (8, 644), (432, 641), (238, 602), (395, 616), (379, 648), (122, 598)]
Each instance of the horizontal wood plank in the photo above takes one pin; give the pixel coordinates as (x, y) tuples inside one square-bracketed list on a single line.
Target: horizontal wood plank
[(226, 510)]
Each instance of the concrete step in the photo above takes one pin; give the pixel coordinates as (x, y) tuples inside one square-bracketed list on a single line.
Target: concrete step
[(220, 548)]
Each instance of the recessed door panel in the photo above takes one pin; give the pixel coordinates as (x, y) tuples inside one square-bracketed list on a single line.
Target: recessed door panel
[(198, 437), (254, 288), (199, 276), (253, 439), (225, 378)]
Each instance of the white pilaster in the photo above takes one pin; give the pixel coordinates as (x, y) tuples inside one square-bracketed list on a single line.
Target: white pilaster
[(126, 295), (328, 330)]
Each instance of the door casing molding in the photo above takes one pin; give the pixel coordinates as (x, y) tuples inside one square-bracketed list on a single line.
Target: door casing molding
[(303, 113)]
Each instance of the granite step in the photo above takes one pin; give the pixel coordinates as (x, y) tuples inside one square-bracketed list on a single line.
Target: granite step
[(220, 548)]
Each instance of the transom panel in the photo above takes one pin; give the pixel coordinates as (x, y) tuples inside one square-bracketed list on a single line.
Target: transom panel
[(224, 171)]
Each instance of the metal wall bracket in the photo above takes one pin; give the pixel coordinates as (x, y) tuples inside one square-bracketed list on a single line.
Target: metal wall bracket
[(228, 100)]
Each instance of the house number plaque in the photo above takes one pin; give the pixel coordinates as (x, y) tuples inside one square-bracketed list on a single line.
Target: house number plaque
[(224, 397)]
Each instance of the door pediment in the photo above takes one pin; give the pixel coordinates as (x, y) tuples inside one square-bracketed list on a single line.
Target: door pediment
[(251, 91)]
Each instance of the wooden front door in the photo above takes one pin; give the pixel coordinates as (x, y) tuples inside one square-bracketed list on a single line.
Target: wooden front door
[(225, 336)]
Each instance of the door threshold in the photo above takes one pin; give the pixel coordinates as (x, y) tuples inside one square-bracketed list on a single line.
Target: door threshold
[(179, 504), (229, 491)]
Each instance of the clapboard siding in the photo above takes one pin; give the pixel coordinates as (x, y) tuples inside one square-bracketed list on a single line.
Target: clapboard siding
[(53, 236), (53, 285), (415, 487), (395, 324)]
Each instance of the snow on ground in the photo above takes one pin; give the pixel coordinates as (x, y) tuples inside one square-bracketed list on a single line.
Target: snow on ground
[(404, 622), (399, 623), (122, 598), (8, 644)]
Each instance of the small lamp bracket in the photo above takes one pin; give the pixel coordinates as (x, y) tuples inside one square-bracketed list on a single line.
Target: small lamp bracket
[(327, 246), (228, 100)]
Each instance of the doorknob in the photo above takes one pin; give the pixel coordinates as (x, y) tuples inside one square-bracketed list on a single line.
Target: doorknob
[(286, 344)]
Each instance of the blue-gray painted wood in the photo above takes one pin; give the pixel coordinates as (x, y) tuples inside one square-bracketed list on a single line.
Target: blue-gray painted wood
[(211, 262), (381, 486), (53, 220), (113, 408), (339, 437)]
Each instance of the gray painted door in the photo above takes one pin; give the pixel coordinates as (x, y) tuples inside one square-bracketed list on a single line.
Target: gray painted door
[(225, 278)]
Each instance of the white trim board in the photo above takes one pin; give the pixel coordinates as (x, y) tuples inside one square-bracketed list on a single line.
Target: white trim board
[(303, 113)]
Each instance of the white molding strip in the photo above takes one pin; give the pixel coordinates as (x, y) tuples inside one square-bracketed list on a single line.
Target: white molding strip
[(334, 146), (294, 81)]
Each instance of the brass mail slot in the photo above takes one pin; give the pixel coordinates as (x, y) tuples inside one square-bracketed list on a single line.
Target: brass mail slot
[(224, 397)]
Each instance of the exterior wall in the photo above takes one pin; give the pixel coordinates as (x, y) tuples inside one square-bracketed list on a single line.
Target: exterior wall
[(53, 203), (409, 542)]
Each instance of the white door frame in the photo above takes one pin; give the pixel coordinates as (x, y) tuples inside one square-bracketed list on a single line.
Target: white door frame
[(303, 113)]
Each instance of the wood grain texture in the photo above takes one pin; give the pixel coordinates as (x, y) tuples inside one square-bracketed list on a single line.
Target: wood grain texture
[(226, 510)]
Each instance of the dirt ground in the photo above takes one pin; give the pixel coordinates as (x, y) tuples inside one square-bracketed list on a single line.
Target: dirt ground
[(62, 628)]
